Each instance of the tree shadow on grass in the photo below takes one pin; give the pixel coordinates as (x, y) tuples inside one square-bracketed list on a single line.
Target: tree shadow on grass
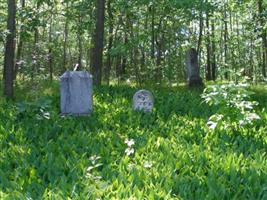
[(221, 181), (53, 154)]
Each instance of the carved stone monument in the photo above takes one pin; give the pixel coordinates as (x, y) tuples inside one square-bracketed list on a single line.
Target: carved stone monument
[(143, 100), (76, 93), (194, 79)]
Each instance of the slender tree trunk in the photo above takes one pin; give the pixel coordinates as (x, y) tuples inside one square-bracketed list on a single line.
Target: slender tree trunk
[(50, 56), (66, 33), (20, 46), (264, 37), (159, 42), (213, 47), (35, 52), (208, 71), (200, 36), (124, 57), (241, 62), (226, 75), (200, 33), (152, 10), (110, 42), (10, 50), (99, 40), (142, 62), (80, 47)]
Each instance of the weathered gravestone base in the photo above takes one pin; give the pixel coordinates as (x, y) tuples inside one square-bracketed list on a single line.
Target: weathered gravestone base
[(194, 79), (143, 101), (76, 93)]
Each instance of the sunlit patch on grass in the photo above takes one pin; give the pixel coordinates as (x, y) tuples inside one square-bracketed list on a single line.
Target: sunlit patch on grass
[(119, 154)]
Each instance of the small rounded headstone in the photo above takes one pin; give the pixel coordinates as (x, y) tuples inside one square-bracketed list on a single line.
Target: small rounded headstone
[(143, 100)]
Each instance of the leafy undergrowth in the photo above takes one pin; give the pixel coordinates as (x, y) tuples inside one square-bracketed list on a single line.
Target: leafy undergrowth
[(117, 153)]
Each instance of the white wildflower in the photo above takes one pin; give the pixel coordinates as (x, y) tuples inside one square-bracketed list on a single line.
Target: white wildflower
[(148, 164), (129, 142), (129, 151)]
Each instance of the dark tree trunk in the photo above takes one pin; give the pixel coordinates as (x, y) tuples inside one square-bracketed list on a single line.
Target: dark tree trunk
[(264, 38), (152, 10), (35, 53), (201, 24), (80, 47), (213, 45), (225, 36), (208, 69), (99, 40), (66, 33), (10, 50), (160, 43), (19, 48), (50, 57), (124, 60), (110, 42)]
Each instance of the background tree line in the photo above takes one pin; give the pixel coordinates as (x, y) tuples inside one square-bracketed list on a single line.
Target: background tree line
[(144, 41)]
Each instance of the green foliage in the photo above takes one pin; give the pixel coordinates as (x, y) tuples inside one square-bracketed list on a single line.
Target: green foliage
[(171, 153), (233, 101)]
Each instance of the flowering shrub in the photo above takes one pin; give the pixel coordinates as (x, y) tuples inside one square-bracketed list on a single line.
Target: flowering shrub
[(234, 104)]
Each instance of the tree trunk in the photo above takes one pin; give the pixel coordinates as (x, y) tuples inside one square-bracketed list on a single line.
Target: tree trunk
[(264, 38), (66, 33), (50, 58), (213, 48), (160, 43), (20, 46), (208, 69), (124, 58), (152, 10), (99, 40), (110, 42), (80, 47), (35, 53), (226, 74), (10, 50)]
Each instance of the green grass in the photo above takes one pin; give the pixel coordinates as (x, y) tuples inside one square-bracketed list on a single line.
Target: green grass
[(176, 156)]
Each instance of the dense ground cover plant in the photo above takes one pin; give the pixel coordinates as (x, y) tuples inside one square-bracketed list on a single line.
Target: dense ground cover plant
[(234, 105), (120, 154)]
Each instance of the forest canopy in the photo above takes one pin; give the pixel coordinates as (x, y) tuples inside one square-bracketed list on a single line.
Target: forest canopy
[(143, 41)]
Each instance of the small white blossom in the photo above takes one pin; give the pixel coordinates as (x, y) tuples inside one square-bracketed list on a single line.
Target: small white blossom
[(129, 142), (129, 151), (148, 164)]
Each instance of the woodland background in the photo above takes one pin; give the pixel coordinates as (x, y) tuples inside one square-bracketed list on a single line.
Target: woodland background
[(142, 41)]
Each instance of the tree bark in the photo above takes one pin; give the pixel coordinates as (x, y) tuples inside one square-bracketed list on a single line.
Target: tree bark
[(50, 57), (152, 10), (99, 40), (20, 46), (66, 33), (110, 42), (80, 47), (10, 50), (226, 74), (264, 38), (160, 43), (213, 50), (208, 69)]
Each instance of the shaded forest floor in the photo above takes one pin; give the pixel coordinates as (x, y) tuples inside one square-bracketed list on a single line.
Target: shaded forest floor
[(45, 156)]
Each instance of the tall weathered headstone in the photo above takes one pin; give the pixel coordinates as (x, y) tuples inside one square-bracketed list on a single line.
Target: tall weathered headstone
[(194, 79), (143, 100), (76, 93)]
